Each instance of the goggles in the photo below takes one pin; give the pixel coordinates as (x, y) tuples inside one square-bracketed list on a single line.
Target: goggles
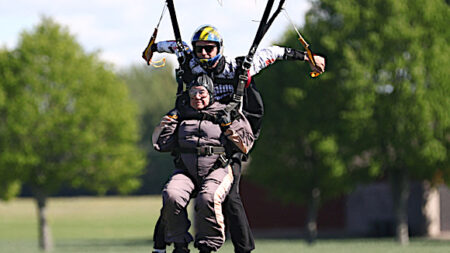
[(208, 49), (193, 93)]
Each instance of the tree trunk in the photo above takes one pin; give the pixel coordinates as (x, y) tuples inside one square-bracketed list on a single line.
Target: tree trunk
[(400, 194), (45, 236), (311, 221)]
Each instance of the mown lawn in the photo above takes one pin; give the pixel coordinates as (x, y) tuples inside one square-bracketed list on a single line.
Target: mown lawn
[(114, 224)]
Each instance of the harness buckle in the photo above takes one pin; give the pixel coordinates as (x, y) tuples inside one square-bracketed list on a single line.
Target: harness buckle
[(223, 161), (206, 150), (237, 97)]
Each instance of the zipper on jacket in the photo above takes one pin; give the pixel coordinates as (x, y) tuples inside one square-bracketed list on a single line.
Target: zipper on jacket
[(198, 143)]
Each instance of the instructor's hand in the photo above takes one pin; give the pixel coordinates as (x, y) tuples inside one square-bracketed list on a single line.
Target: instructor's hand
[(166, 120), (174, 114), (224, 121), (171, 117), (320, 64)]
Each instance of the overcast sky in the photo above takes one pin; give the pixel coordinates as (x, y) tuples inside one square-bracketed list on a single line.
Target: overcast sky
[(121, 29)]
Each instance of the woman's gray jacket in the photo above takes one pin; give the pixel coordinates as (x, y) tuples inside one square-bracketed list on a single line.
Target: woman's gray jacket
[(191, 134)]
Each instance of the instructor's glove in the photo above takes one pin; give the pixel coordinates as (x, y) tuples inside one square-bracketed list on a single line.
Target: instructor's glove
[(293, 54), (173, 114), (224, 120), (171, 117)]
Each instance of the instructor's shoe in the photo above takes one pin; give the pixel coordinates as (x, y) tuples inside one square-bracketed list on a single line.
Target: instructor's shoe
[(181, 248), (204, 249)]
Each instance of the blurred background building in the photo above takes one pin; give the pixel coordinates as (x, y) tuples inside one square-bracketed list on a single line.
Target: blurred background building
[(366, 212)]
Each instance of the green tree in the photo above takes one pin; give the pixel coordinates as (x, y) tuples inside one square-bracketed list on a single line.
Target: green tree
[(154, 91), (384, 98), (298, 154), (66, 120), (396, 53)]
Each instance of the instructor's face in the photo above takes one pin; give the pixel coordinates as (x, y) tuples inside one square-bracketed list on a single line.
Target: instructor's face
[(205, 49), (199, 97)]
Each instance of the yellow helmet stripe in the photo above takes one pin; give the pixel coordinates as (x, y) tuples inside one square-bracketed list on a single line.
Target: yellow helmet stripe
[(205, 32)]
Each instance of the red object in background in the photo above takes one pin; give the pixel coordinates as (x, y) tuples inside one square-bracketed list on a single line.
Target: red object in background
[(265, 212)]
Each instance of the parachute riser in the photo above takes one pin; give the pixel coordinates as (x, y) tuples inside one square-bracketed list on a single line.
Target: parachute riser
[(148, 52), (305, 45)]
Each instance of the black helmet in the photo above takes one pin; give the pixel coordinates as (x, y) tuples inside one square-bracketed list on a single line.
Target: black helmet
[(205, 81)]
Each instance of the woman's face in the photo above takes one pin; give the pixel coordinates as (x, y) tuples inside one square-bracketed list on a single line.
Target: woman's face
[(199, 97)]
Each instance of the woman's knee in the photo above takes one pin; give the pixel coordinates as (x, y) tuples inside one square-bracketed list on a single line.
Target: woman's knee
[(204, 200), (175, 198)]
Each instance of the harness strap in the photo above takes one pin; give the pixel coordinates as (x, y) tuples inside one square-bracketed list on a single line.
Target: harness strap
[(218, 80), (205, 150), (209, 117), (243, 80), (221, 162), (183, 55), (176, 29)]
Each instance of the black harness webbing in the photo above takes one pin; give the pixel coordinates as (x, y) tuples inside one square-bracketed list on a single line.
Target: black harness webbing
[(176, 28), (183, 56), (222, 161), (204, 150), (264, 25)]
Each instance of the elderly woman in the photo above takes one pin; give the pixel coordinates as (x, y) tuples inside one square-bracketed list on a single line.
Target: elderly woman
[(204, 144)]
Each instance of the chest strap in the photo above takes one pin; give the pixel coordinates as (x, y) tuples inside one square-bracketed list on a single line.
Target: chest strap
[(205, 150)]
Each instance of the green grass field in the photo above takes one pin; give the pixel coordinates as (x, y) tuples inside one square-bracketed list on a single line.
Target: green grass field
[(113, 224)]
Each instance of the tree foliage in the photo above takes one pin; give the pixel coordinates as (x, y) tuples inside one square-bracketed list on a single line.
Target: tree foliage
[(154, 91), (396, 53), (66, 119), (380, 108), (299, 133)]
